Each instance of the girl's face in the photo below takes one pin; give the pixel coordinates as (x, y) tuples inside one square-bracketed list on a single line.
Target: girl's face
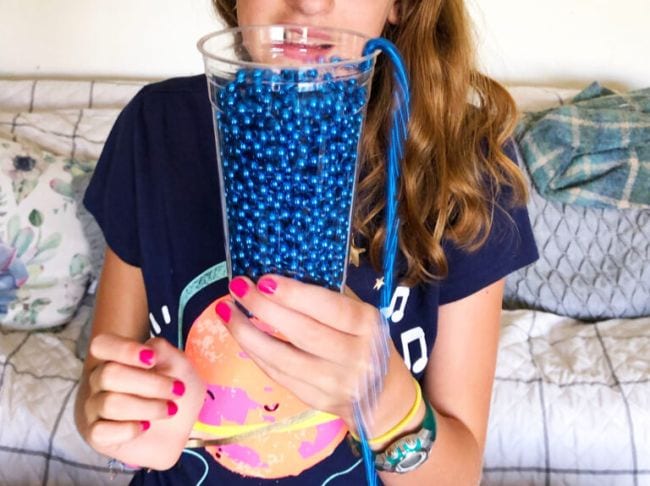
[(365, 16)]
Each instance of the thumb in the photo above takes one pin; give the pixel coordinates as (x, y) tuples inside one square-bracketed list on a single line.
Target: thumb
[(111, 347)]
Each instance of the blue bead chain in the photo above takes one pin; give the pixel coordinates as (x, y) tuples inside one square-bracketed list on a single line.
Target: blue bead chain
[(398, 135)]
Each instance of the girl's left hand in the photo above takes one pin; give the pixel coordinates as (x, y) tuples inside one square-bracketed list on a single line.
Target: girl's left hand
[(328, 343)]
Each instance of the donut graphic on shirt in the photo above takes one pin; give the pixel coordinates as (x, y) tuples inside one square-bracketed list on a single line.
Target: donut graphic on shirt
[(241, 399)]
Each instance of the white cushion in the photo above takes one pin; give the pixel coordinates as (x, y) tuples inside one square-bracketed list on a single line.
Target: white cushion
[(44, 252)]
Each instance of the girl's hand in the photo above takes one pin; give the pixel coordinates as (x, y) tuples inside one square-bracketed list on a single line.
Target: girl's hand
[(320, 344), (142, 402)]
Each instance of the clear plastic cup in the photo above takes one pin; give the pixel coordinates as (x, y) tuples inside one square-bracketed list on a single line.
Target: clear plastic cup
[(289, 104)]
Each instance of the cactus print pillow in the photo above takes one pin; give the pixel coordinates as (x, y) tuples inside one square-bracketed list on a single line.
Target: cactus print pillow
[(45, 256)]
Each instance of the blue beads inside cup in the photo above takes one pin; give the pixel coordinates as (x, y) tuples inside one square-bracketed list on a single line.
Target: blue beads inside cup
[(287, 144)]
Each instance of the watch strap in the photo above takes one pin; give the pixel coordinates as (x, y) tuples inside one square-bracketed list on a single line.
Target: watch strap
[(407, 452), (410, 451)]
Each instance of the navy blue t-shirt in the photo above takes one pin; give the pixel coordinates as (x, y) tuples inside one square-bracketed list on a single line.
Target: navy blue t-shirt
[(155, 194)]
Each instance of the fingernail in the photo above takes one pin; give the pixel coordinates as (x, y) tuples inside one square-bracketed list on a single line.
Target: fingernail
[(223, 311), (145, 424), (172, 408), (146, 356), (178, 388), (239, 287), (267, 285)]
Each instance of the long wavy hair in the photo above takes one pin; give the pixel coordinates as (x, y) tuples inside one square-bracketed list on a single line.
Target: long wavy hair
[(454, 167)]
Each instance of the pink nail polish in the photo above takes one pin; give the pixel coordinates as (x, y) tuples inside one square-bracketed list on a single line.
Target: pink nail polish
[(239, 287), (223, 311), (145, 424), (267, 285), (172, 408), (178, 388), (146, 356)]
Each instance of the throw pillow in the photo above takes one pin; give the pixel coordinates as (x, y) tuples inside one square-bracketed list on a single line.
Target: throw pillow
[(45, 254)]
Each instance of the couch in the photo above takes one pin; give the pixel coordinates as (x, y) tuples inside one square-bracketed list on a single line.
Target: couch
[(571, 401)]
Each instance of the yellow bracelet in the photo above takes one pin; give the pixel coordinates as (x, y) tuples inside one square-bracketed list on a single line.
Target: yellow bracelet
[(402, 424)]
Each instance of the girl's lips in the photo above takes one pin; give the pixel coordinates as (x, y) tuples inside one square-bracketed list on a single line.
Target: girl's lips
[(312, 33), (301, 51)]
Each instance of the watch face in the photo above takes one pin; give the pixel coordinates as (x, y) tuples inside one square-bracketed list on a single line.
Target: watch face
[(406, 454), (410, 451), (411, 461)]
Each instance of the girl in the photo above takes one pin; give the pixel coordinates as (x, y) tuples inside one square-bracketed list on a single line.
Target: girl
[(464, 228)]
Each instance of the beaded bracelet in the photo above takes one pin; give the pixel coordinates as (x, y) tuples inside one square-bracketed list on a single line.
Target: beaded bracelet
[(402, 424)]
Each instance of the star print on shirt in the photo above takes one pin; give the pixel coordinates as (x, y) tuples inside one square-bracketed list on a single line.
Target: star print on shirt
[(379, 283)]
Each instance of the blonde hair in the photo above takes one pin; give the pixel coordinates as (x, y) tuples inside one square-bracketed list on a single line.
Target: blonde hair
[(454, 166)]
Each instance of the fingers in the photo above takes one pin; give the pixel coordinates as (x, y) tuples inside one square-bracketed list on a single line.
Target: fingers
[(287, 364), (334, 346), (129, 384), (277, 357), (105, 433), (138, 411), (127, 366), (260, 345), (343, 312), (300, 330), (125, 407), (309, 392), (116, 377), (353, 350), (109, 347), (124, 372)]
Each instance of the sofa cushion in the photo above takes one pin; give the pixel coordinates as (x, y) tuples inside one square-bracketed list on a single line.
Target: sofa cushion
[(45, 255)]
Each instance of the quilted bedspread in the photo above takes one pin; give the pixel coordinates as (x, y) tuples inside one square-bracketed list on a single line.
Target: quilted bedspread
[(571, 400), (39, 443)]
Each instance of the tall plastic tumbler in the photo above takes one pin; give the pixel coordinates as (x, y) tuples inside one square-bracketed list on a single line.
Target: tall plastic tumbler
[(289, 104)]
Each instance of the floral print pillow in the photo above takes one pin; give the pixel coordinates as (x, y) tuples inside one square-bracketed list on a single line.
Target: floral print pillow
[(46, 259)]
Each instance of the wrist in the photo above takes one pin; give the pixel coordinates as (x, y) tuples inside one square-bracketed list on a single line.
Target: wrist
[(381, 443), (403, 448), (383, 434), (399, 409)]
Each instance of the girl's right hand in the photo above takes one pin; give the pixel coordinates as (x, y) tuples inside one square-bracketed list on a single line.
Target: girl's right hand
[(141, 401)]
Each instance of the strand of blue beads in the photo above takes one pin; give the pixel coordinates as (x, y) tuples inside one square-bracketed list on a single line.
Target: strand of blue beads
[(288, 147)]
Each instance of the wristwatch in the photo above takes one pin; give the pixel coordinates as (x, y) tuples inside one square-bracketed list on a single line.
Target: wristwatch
[(408, 452)]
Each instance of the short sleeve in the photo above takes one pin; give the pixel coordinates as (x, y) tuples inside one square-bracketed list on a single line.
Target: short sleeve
[(509, 246), (111, 194)]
